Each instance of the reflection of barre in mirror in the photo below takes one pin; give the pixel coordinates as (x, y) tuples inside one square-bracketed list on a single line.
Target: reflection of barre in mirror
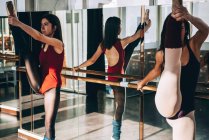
[(113, 83), (114, 49), (100, 81), (130, 77), (9, 57)]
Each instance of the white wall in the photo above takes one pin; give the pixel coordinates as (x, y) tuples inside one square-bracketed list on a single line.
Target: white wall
[(201, 10), (168, 2)]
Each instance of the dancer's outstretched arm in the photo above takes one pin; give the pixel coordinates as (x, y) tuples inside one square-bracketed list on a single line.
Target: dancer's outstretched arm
[(137, 35), (56, 43), (90, 61), (154, 73), (130, 47)]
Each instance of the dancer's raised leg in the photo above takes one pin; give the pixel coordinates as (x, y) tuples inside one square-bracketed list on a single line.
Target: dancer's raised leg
[(168, 96)]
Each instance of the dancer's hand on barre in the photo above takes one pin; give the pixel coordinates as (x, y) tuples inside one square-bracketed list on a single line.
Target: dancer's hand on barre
[(75, 69), (140, 85), (180, 13), (13, 21)]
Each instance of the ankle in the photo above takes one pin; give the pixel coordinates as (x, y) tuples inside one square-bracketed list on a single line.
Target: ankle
[(46, 138), (116, 129)]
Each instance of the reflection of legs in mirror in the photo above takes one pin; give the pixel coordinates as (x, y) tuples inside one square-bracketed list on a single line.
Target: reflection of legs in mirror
[(51, 104), (183, 128), (168, 96), (119, 95)]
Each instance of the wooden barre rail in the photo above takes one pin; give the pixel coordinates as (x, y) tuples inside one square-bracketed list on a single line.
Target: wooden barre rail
[(130, 85), (9, 59), (9, 55), (21, 69), (130, 77), (100, 81)]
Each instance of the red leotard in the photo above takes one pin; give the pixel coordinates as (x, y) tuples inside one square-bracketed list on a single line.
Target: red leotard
[(118, 68), (51, 64)]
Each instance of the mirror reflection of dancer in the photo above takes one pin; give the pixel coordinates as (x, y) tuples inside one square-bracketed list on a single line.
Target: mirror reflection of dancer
[(51, 62), (113, 47), (178, 63), (130, 47)]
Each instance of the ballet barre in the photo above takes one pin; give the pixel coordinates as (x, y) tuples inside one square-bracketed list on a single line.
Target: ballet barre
[(100, 73), (9, 57), (106, 82)]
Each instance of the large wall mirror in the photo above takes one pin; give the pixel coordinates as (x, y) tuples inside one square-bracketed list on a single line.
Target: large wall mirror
[(86, 110)]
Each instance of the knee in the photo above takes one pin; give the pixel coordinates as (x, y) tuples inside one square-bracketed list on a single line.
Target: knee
[(188, 123), (185, 124), (120, 104), (120, 108)]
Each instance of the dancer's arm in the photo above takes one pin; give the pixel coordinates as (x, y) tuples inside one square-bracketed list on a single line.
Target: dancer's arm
[(181, 13), (154, 73), (138, 34), (146, 24), (56, 43), (90, 61)]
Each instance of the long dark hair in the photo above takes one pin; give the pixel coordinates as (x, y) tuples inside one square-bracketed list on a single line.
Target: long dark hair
[(186, 37), (112, 28), (54, 20)]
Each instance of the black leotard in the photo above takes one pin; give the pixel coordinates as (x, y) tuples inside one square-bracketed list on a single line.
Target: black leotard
[(189, 77)]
